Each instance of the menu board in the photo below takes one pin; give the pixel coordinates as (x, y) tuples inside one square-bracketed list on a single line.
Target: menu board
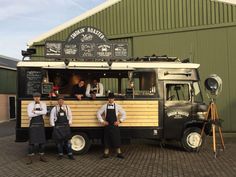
[(33, 81), (86, 43)]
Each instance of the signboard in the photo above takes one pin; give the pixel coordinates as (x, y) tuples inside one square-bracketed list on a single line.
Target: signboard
[(47, 88), (86, 43), (33, 81)]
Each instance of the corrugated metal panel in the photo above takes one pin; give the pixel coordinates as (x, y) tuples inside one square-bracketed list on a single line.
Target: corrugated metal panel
[(7, 81), (140, 17), (137, 16), (213, 48)]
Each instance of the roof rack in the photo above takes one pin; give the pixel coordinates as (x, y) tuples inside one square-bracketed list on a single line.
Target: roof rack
[(153, 58)]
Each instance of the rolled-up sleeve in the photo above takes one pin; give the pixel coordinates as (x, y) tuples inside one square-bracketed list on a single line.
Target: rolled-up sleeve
[(87, 93), (30, 112), (69, 115), (53, 117), (101, 111), (122, 112)]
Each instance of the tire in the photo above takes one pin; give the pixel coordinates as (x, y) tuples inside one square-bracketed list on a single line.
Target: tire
[(80, 143), (190, 140)]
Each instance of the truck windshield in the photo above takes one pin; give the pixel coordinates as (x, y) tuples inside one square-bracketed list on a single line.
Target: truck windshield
[(177, 92), (197, 92)]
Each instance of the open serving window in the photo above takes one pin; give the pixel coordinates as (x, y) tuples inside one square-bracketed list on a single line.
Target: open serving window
[(124, 83)]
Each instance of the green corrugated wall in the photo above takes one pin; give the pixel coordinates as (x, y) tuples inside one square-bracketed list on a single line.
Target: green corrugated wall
[(130, 18), (7, 81), (201, 30)]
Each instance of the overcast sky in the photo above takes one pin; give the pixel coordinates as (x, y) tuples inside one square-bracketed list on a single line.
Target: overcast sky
[(23, 20)]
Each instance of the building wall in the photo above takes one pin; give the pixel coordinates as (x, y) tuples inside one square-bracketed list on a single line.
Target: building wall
[(7, 81), (213, 48), (7, 88), (5, 108), (130, 18)]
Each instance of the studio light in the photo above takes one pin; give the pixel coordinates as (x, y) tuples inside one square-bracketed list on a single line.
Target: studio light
[(213, 84)]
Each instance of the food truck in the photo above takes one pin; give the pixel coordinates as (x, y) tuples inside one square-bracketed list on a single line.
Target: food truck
[(161, 96)]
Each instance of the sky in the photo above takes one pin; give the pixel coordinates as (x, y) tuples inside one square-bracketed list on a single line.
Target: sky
[(23, 20)]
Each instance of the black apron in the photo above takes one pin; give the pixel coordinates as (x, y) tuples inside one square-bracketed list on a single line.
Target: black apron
[(61, 131), (36, 130), (111, 132)]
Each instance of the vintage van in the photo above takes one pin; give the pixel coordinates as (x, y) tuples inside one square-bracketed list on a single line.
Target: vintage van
[(162, 98)]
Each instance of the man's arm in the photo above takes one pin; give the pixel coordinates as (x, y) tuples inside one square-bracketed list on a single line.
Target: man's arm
[(30, 111), (53, 116), (122, 113), (69, 115), (87, 93), (43, 111), (100, 112)]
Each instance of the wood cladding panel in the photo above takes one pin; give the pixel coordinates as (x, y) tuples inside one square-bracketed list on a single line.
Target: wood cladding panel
[(138, 113)]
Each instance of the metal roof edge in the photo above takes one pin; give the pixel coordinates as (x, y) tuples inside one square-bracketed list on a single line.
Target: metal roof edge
[(9, 58), (9, 68)]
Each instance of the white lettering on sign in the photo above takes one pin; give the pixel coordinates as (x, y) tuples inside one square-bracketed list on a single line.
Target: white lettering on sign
[(77, 32), (177, 114), (96, 32)]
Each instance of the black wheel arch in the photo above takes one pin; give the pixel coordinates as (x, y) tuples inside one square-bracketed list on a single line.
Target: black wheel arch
[(197, 123)]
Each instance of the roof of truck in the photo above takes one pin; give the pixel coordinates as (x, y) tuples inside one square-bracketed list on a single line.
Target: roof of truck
[(104, 65)]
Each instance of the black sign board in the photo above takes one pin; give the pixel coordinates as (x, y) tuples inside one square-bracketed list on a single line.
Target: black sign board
[(86, 43), (33, 81), (47, 88)]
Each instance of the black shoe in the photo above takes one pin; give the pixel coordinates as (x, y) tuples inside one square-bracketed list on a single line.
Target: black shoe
[(105, 156), (59, 157), (71, 157), (120, 155), (43, 159), (29, 161)]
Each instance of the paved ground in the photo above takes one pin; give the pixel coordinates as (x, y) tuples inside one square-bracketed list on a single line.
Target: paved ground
[(142, 159)]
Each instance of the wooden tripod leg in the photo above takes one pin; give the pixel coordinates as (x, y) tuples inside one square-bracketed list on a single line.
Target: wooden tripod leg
[(213, 127), (203, 128), (214, 137), (221, 138), (220, 129)]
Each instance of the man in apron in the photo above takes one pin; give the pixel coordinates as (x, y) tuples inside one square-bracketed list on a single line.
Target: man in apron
[(111, 125), (94, 89), (36, 110), (60, 120)]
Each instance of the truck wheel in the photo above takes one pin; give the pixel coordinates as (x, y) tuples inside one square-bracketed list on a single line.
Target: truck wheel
[(191, 139), (80, 143)]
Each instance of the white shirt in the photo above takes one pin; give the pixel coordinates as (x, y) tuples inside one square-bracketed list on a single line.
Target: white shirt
[(32, 106), (99, 94), (103, 110), (54, 112)]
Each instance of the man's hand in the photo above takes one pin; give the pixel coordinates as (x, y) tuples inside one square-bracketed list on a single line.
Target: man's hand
[(79, 97), (105, 123), (116, 123)]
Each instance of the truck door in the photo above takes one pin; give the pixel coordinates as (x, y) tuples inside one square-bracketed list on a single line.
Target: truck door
[(177, 108)]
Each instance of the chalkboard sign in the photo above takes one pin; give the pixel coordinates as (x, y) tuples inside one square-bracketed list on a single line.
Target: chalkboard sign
[(47, 88), (33, 81)]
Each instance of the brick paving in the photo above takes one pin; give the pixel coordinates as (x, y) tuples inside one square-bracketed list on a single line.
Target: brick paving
[(142, 158)]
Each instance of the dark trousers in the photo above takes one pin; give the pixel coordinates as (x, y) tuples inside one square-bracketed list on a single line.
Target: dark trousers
[(62, 144), (32, 149), (112, 137)]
